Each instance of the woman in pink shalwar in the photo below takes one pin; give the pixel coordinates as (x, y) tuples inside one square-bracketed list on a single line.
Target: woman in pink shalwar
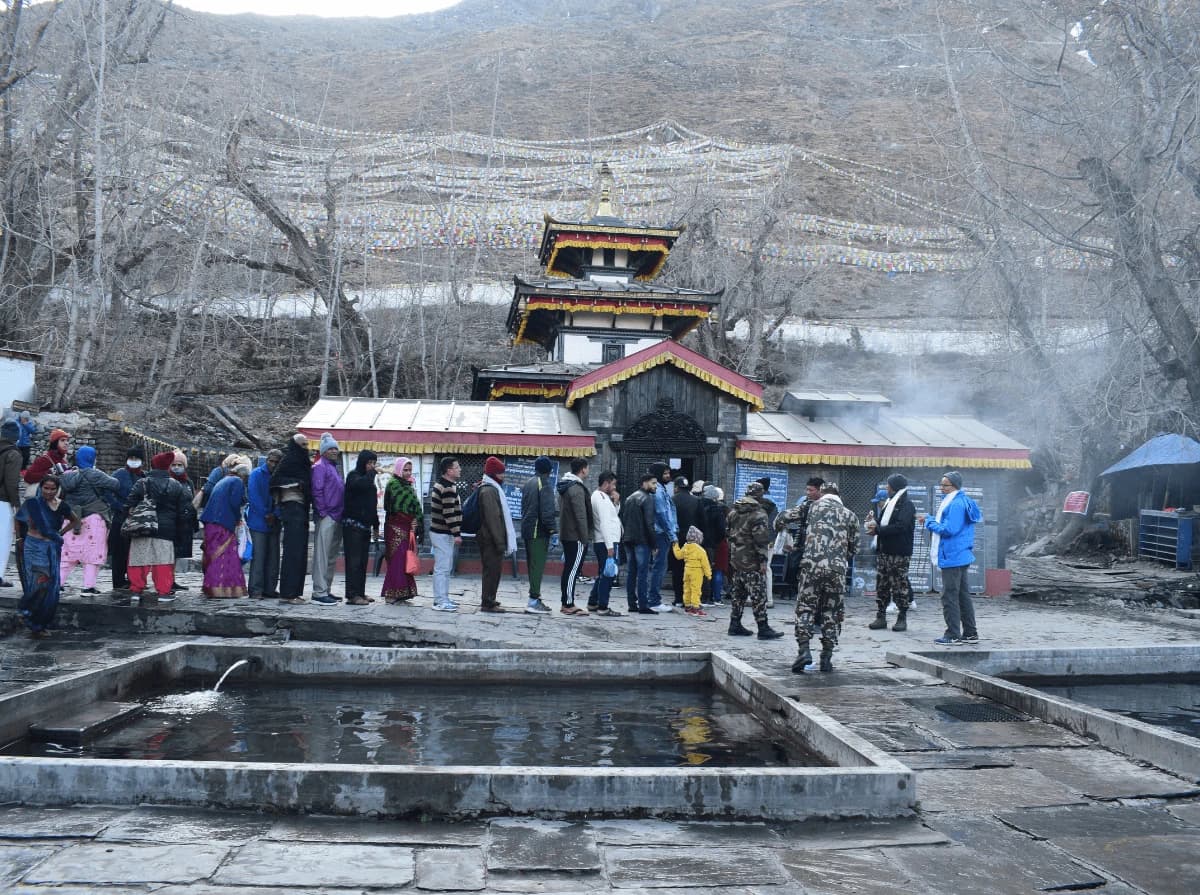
[(90, 491)]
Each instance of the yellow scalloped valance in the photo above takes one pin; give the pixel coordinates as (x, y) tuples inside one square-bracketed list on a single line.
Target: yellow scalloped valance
[(603, 307), (500, 450), (839, 460), (631, 245), (665, 358), (540, 391)]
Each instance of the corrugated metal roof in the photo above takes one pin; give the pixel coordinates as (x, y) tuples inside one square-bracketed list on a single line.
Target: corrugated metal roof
[(889, 430), (814, 394), (482, 417)]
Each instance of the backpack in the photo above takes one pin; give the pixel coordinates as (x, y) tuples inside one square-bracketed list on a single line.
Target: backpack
[(472, 517), (142, 521)]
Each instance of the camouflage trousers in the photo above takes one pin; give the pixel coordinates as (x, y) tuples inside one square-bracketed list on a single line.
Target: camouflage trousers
[(821, 603), (891, 582), (753, 585)]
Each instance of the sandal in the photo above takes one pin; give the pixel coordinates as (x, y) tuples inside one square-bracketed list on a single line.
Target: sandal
[(358, 601)]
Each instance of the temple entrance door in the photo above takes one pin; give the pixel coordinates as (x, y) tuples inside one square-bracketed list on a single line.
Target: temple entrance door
[(660, 437)]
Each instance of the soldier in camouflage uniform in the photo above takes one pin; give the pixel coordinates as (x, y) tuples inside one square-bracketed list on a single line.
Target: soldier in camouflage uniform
[(749, 537), (832, 540), (795, 522)]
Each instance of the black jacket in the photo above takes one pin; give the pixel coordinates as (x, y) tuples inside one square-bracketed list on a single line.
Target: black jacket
[(294, 468), (539, 517), (687, 511), (169, 498), (361, 496), (637, 519), (896, 538), (711, 521)]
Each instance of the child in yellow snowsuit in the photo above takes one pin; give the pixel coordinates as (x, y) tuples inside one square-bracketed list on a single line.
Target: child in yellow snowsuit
[(695, 570)]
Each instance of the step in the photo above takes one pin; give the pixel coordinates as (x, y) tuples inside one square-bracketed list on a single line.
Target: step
[(84, 724)]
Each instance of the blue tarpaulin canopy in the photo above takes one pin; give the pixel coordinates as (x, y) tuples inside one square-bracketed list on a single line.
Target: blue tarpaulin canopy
[(1161, 450)]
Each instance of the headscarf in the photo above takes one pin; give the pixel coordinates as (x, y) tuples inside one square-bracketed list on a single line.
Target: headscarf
[(694, 535), (85, 457), (162, 461), (180, 459), (401, 494)]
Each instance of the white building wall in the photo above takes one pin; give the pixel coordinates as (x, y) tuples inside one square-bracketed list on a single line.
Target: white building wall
[(17, 381), (581, 349)]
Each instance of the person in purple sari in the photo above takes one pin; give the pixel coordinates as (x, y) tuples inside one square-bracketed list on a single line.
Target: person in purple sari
[(402, 506), (223, 575)]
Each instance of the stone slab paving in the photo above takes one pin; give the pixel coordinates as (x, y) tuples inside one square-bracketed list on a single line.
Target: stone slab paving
[(398, 832), (118, 863), (663, 866), (1163, 864), (54, 823), (17, 860), (184, 825), (1100, 774), (450, 869), (522, 844), (1188, 812), (331, 864), (990, 789), (858, 872)]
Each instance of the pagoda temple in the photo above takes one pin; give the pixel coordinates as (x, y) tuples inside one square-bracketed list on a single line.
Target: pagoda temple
[(596, 303)]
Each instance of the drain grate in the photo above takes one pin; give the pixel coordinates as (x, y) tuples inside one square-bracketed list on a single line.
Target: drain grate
[(979, 712)]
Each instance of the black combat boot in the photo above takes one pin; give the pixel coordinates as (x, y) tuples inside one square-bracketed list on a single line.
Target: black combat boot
[(826, 658), (803, 660), (901, 621), (880, 622), (737, 629), (766, 632)]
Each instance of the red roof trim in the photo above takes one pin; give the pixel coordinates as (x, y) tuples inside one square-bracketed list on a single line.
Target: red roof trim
[(669, 346), (401, 436)]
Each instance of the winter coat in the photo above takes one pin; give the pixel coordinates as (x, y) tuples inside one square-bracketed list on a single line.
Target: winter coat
[(361, 504), (957, 532), (606, 519), (328, 490), (43, 465), (896, 538), (637, 519), (28, 430), (575, 516), (294, 469), (90, 492), (712, 522), (687, 508), (168, 497), (493, 534), (191, 522), (831, 540), (539, 518), (10, 474), (445, 508), (749, 535), (259, 504), (224, 506)]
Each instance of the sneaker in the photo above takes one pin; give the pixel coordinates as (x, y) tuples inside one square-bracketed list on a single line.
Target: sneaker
[(970, 638), (90, 591), (948, 641), (537, 607), (326, 600), (643, 611), (445, 607), (699, 613), (168, 597), (661, 607), (494, 607), (608, 613)]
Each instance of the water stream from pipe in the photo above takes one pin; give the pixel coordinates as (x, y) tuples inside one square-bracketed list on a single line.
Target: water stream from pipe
[(228, 671)]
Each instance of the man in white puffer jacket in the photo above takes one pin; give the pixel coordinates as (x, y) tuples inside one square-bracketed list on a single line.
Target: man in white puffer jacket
[(606, 535)]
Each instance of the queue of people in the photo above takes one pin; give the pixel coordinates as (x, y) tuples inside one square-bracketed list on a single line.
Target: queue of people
[(255, 536)]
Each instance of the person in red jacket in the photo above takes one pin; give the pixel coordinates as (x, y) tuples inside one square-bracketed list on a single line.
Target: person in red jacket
[(53, 462)]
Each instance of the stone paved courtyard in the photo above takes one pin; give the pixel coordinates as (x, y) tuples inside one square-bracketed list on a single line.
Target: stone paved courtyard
[(1004, 807)]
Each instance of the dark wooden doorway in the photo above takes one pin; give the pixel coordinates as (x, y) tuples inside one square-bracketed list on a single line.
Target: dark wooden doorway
[(659, 437)]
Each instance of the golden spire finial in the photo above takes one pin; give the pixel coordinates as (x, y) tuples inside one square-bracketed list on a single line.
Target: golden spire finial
[(603, 204)]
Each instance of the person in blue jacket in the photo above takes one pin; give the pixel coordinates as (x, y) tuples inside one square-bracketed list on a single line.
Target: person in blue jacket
[(951, 551), (25, 440), (666, 533), (262, 518)]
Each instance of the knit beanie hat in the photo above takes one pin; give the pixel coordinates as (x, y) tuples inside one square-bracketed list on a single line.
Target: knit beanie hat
[(955, 479), (163, 460), (542, 465), (694, 535), (85, 457), (755, 489), (493, 466), (10, 430), (328, 442), (698, 487), (56, 434), (181, 459), (897, 481), (135, 453), (712, 492)]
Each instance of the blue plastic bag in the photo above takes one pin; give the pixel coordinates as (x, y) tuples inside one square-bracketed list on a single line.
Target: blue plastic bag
[(610, 568)]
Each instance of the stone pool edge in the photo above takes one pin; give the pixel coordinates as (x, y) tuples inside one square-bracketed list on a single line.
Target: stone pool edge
[(1165, 749), (874, 784)]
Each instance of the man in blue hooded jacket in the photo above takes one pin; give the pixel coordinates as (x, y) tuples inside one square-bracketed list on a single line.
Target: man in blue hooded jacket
[(951, 551)]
